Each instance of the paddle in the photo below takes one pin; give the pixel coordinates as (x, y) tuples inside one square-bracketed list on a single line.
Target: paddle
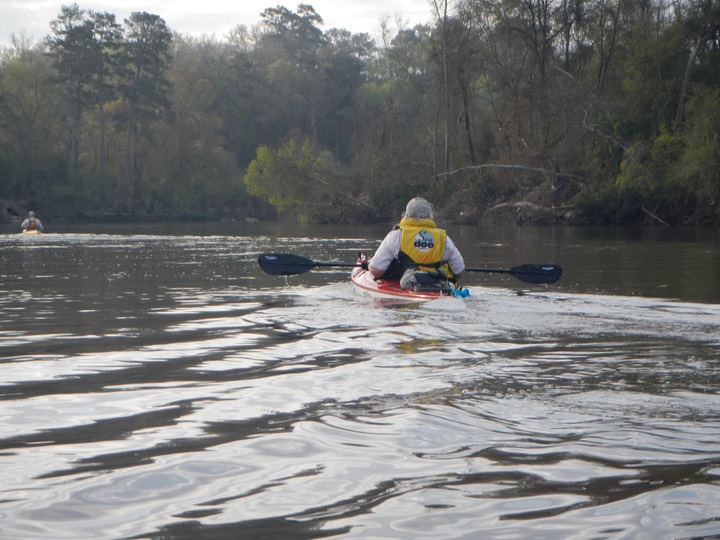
[(13, 211), (529, 273), (287, 264)]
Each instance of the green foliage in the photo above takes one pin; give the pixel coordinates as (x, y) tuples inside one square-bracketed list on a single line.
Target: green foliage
[(697, 170), (390, 200), (610, 205), (700, 163), (676, 179), (292, 177)]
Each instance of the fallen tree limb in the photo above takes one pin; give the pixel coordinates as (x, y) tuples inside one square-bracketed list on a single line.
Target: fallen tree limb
[(537, 211), (649, 213), (548, 172), (342, 193)]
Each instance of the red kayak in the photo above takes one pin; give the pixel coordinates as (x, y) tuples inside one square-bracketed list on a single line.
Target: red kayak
[(366, 284)]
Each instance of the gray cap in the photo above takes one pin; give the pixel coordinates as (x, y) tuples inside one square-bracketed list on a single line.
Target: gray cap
[(31, 214), (419, 208)]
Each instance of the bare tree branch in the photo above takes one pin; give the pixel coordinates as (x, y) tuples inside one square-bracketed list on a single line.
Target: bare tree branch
[(548, 172)]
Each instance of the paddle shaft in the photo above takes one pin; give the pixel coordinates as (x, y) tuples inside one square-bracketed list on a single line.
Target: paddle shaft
[(342, 265), (287, 264), (497, 271), (528, 273), (489, 270)]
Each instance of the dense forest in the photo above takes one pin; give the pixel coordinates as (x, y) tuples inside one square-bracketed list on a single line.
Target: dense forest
[(529, 111)]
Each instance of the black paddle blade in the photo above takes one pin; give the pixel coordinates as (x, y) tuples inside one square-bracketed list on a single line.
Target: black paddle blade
[(284, 264), (12, 211), (537, 273)]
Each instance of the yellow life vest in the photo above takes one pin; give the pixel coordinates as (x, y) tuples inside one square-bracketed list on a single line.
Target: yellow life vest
[(424, 244), (32, 224)]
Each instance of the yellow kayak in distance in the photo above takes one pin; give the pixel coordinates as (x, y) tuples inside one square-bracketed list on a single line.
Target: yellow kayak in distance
[(31, 231)]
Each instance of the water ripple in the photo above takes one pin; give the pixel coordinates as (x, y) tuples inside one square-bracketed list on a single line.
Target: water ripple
[(143, 402)]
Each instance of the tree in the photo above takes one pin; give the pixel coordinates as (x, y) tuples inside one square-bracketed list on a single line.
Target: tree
[(72, 49), (441, 8), (697, 171), (29, 121), (107, 35), (703, 23), (144, 60), (491, 102), (192, 172), (297, 178), (293, 43), (403, 76), (238, 83), (83, 49), (290, 177)]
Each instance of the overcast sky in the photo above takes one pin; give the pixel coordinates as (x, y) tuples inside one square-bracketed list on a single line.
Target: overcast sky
[(208, 17)]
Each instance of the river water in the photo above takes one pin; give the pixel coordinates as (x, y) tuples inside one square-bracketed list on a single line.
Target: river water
[(156, 384)]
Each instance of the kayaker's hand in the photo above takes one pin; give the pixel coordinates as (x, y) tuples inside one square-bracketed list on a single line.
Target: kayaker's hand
[(364, 260)]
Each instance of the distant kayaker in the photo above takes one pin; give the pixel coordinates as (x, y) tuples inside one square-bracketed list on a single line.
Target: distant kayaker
[(416, 243), (32, 223)]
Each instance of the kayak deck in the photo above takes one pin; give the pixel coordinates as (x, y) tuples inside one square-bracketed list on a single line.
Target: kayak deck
[(365, 283)]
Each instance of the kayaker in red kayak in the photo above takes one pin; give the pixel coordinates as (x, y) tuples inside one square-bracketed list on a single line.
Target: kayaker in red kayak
[(416, 249)]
